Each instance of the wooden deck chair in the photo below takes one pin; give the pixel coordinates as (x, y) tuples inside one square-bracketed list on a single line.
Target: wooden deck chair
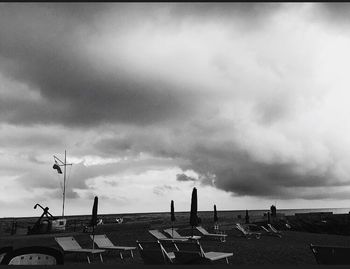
[(70, 245), (103, 242), (334, 255), (269, 232), (160, 236), (154, 253), (204, 232), (35, 255), (175, 235), (273, 229), (192, 252), (248, 234)]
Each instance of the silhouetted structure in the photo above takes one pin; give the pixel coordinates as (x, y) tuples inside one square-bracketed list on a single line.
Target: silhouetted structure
[(172, 217), (246, 217), (41, 225), (273, 211), (94, 220), (194, 207), (216, 227)]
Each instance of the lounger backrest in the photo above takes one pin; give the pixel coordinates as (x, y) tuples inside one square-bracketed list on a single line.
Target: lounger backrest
[(102, 240), (172, 233), (272, 228), (148, 245), (192, 246), (67, 243), (157, 234), (202, 230), (168, 245), (266, 230), (153, 253), (240, 227)]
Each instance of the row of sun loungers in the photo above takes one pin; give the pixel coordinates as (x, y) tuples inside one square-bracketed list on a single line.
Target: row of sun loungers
[(185, 252), (175, 236), (70, 245), (182, 252), (174, 248), (269, 230), (245, 232)]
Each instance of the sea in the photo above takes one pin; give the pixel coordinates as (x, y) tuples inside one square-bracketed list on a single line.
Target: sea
[(290, 212), (231, 213)]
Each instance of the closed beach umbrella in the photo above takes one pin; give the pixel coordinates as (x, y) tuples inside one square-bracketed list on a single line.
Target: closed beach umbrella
[(215, 218), (246, 217), (94, 220), (194, 204), (215, 214), (172, 217)]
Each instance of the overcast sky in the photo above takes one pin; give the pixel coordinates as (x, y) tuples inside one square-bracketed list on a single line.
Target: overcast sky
[(247, 102)]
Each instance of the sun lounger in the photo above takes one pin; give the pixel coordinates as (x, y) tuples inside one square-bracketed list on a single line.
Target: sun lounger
[(335, 255), (269, 232), (103, 242), (204, 232), (191, 252), (154, 253), (35, 255), (273, 229), (70, 245), (160, 236), (175, 235), (248, 234)]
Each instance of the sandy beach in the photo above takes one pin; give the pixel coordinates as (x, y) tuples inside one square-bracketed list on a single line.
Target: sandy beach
[(292, 249)]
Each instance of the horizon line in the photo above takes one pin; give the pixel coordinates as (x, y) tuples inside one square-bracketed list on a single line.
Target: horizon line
[(165, 212)]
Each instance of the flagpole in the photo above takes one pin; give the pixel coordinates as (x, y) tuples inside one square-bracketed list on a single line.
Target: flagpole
[(64, 181), (64, 164)]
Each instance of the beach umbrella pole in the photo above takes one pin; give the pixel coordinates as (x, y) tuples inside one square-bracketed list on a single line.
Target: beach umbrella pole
[(172, 217), (93, 222), (172, 229), (93, 237), (93, 241)]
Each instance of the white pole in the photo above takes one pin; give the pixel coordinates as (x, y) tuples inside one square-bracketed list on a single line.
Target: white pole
[(64, 181)]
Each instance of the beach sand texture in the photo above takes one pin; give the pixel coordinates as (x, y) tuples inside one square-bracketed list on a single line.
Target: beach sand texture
[(292, 249)]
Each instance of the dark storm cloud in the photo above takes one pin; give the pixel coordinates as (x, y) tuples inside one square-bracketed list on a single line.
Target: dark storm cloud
[(13, 138), (226, 165), (334, 13), (184, 177), (44, 46), (44, 49), (252, 15)]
